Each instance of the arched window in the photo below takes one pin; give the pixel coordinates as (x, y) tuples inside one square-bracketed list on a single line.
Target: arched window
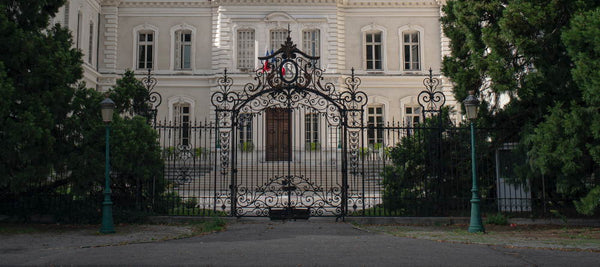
[(145, 50), (376, 111), (375, 125), (182, 48), (145, 46), (373, 48), (411, 47), (181, 112), (412, 115)]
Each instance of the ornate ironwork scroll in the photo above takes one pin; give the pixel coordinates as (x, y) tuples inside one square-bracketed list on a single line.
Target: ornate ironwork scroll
[(154, 98), (431, 100), (288, 79), (289, 190)]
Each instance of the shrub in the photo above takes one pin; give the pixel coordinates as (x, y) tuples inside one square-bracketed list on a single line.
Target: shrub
[(497, 219)]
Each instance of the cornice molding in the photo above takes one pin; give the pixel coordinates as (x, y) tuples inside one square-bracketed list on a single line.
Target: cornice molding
[(110, 2), (389, 3), (216, 3)]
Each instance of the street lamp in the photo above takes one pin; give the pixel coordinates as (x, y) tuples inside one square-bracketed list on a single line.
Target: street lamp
[(471, 105), (108, 108)]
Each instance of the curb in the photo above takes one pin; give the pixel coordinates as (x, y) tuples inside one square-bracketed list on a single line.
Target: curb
[(430, 221)]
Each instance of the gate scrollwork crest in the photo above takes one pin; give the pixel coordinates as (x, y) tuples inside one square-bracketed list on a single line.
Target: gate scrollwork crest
[(291, 79)]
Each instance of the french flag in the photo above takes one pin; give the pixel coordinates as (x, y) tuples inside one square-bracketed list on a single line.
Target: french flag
[(266, 67)]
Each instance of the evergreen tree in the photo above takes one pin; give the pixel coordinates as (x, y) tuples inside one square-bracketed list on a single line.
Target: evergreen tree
[(131, 97), (526, 49), (38, 68)]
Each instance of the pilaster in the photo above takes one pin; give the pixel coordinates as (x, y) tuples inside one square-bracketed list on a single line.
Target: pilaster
[(222, 38), (109, 43), (340, 39)]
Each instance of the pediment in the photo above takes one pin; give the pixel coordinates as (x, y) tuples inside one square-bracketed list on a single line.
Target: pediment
[(279, 17)]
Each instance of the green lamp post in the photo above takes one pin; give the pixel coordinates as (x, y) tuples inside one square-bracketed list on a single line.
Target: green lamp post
[(471, 105), (108, 108)]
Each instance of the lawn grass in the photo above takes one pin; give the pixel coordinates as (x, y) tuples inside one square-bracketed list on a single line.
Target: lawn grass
[(185, 211), (214, 224), (536, 236)]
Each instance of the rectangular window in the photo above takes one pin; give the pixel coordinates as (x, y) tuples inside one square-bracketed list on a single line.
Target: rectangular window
[(78, 42), (245, 129), (310, 42), (311, 123), (91, 43), (373, 49), (278, 37), (375, 126), (183, 50), (245, 49), (67, 11), (412, 116), (145, 44), (411, 51), (182, 121)]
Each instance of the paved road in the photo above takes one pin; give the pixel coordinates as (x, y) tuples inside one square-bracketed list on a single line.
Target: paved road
[(298, 243)]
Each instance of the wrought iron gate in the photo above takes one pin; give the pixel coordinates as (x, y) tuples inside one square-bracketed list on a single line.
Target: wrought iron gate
[(289, 141)]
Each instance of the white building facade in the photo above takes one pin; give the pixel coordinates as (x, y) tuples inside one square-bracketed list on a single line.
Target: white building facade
[(391, 45), (187, 44)]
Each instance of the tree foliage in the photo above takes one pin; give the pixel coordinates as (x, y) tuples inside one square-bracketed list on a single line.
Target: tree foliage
[(431, 170), (38, 68), (51, 134), (130, 96), (542, 55)]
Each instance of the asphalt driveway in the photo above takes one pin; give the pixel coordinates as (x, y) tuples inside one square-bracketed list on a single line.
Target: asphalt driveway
[(295, 243)]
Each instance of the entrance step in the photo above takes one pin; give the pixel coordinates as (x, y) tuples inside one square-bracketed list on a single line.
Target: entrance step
[(289, 213)]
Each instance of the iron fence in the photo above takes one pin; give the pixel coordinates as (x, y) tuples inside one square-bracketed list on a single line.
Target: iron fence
[(407, 171)]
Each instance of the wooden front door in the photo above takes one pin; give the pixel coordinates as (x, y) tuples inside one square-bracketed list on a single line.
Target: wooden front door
[(278, 138)]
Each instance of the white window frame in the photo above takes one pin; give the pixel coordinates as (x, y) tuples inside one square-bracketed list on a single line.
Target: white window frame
[(311, 43), (174, 35), (411, 29), (311, 46), (370, 29), (376, 135), (182, 120), (79, 29), (172, 101), (412, 112), (174, 104), (248, 53), (245, 128), (143, 59), (273, 43), (312, 127), (145, 28), (183, 50), (67, 11)]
